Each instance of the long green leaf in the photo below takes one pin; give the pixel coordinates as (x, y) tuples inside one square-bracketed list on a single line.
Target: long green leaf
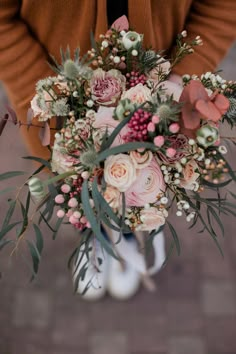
[(45, 163), (9, 214), (122, 149), (8, 229), (93, 221), (6, 190), (11, 174), (39, 238), (3, 243), (175, 237), (35, 258), (57, 227)]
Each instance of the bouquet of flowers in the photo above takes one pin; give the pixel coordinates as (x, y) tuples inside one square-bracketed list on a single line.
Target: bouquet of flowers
[(131, 145)]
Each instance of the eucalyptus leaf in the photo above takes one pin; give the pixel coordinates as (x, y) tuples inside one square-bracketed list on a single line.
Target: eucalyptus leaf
[(11, 174)]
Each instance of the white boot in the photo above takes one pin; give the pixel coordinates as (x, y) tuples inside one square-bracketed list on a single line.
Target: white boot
[(96, 275)]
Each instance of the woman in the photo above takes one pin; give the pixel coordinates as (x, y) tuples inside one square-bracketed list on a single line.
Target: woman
[(31, 30)]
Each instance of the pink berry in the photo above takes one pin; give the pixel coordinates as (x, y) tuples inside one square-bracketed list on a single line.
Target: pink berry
[(69, 213), (77, 214), (155, 119), (72, 203), (159, 140), (170, 152), (65, 188), (60, 213), (73, 220), (174, 128), (59, 199), (83, 220), (151, 127)]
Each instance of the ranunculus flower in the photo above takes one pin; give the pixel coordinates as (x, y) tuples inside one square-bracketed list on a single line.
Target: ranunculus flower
[(197, 105), (104, 121), (119, 171), (189, 175), (138, 94), (180, 144), (148, 185), (131, 39), (112, 197), (141, 159), (107, 86), (151, 219)]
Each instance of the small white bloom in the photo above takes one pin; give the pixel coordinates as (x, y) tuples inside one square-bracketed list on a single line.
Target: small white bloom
[(222, 149), (191, 142), (122, 33), (179, 213), (105, 44), (90, 103), (134, 52), (116, 60), (164, 200)]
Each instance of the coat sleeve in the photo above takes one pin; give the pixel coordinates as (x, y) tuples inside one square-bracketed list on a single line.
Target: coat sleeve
[(215, 22), (23, 61)]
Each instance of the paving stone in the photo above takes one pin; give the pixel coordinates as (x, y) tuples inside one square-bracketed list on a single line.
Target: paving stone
[(108, 342), (32, 308), (70, 330), (186, 345), (221, 335), (219, 298), (184, 317)]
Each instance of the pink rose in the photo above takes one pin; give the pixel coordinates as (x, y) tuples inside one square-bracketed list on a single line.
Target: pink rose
[(189, 175), (107, 87), (151, 218), (178, 143), (141, 159), (112, 197), (138, 94), (104, 121), (148, 185), (119, 171)]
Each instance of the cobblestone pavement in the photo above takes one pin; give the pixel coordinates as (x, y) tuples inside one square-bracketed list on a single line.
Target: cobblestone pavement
[(192, 311)]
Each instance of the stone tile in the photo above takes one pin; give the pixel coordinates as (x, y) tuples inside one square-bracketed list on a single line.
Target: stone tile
[(108, 342), (186, 345), (184, 317), (32, 308), (154, 341), (183, 279), (218, 298), (221, 335), (29, 341), (70, 330)]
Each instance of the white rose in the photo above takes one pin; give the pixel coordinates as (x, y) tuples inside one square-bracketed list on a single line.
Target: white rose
[(119, 171), (138, 94)]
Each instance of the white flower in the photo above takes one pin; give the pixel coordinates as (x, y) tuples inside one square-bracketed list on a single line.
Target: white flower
[(119, 171), (138, 94), (131, 39), (207, 135)]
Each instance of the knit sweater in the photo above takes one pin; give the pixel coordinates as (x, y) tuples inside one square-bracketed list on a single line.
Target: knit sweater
[(32, 29)]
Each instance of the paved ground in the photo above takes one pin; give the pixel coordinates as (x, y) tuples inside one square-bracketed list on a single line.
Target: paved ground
[(192, 312)]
